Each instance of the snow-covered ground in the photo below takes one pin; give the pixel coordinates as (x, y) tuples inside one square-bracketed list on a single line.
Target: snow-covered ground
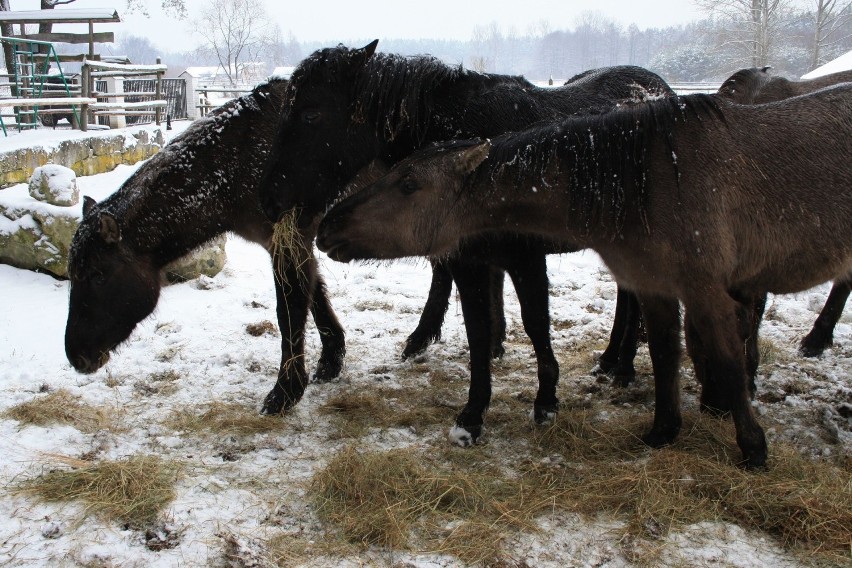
[(199, 333)]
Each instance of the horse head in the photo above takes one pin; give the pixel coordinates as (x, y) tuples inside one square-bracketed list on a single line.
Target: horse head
[(419, 204), (744, 85), (111, 289), (320, 104)]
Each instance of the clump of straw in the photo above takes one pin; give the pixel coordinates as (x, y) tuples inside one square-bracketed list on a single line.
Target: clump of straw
[(61, 407), (131, 491)]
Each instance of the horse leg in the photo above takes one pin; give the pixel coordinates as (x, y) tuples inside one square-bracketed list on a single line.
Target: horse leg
[(822, 334), (473, 283), (432, 318), (497, 277), (617, 359), (331, 334), (294, 282), (713, 314), (662, 322), (749, 312), (529, 276)]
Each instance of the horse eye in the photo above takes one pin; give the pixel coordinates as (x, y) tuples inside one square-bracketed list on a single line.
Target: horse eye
[(98, 279), (310, 116), (408, 186)]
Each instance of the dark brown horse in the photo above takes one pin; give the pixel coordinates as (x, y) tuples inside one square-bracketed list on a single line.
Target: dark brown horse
[(757, 85), (693, 199), (201, 185), (348, 107)]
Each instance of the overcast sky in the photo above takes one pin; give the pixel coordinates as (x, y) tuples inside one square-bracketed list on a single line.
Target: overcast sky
[(336, 21)]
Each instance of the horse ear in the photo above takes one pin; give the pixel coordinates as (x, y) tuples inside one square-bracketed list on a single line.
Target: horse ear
[(360, 56), (109, 230), (468, 159), (88, 204), (766, 69)]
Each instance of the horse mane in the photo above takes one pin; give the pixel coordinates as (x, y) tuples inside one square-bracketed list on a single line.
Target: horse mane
[(128, 202), (392, 91), (603, 155)]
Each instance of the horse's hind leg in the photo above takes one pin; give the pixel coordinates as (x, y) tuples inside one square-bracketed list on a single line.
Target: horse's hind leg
[(529, 275), (331, 334), (713, 313), (617, 359), (294, 283), (822, 334), (662, 322), (432, 318), (473, 283), (749, 311)]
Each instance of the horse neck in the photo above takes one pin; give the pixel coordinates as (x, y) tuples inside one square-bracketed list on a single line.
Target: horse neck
[(205, 196), (576, 179)]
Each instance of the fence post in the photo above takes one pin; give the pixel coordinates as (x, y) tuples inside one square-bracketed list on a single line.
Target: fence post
[(115, 85), (159, 90), (86, 90)]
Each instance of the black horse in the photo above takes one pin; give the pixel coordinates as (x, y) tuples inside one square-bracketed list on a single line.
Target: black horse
[(694, 199), (349, 107), (756, 85), (177, 185), (201, 185)]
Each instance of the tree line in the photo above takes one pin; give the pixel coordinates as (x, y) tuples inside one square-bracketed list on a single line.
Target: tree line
[(792, 36)]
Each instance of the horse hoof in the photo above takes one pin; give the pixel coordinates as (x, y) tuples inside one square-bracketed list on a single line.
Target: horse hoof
[(544, 414), (808, 350), (754, 461), (621, 376), (328, 370), (497, 351), (621, 379), (659, 437), (277, 402), (465, 437), (416, 345), (603, 367)]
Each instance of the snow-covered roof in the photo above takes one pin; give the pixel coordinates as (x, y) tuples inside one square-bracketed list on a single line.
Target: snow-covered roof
[(61, 15), (203, 71), (842, 63)]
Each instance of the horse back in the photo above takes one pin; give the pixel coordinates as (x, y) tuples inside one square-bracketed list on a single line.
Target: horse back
[(769, 186)]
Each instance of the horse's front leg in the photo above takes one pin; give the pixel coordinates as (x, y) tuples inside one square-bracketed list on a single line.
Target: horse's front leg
[(529, 275), (428, 328), (617, 359), (331, 333), (822, 334), (662, 322), (713, 313), (295, 273), (472, 281)]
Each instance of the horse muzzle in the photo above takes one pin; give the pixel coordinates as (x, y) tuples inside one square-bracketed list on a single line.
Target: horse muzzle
[(88, 366)]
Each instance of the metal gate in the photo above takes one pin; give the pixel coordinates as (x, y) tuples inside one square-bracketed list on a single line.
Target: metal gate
[(173, 91)]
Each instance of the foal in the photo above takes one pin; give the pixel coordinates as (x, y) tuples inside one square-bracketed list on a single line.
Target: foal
[(693, 199)]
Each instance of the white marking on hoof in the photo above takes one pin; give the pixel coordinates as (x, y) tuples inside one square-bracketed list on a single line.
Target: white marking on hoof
[(460, 437), (549, 418)]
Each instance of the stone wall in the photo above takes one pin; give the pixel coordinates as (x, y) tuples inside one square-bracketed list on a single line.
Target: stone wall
[(38, 221), (95, 153)]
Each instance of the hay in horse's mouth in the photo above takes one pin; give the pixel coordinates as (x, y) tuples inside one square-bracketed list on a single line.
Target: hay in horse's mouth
[(288, 248)]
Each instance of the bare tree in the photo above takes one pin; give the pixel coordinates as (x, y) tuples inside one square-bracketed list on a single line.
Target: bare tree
[(751, 26), (828, 17), (486, 42), (236, 32), (138, 49)]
